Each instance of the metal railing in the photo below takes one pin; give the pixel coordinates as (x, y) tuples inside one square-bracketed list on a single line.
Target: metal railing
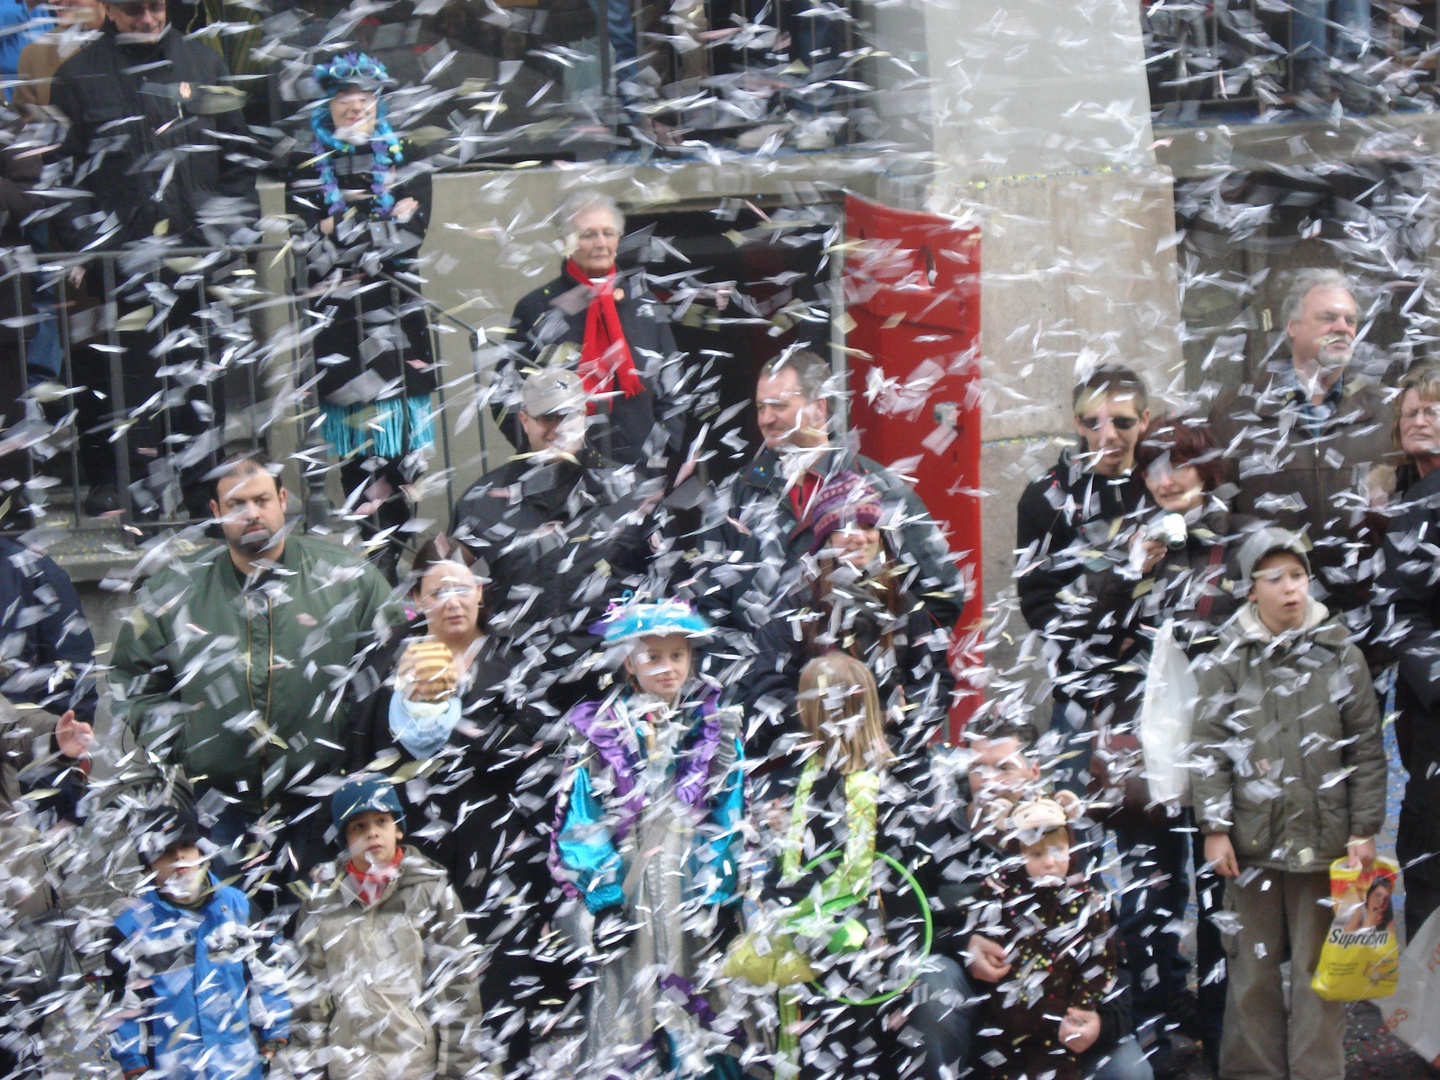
[(229, 339), (1208, 58)]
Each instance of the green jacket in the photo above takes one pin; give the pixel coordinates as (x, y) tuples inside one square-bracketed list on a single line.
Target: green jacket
[(245, 688), (1290, 761)]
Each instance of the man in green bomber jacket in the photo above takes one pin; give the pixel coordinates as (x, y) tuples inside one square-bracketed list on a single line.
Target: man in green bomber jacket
[(234, 666)]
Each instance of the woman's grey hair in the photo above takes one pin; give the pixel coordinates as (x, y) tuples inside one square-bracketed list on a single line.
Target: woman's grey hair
[(585, 199), (1306, 280)]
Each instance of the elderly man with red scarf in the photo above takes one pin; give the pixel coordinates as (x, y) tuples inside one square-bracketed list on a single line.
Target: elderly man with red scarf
[(604, 326)]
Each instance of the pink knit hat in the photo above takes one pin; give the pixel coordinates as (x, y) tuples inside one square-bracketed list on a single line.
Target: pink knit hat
[(845, 499)]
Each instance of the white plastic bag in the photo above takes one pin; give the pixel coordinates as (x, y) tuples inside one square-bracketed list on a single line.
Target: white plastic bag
[(1165, 718), (1412, 1010)]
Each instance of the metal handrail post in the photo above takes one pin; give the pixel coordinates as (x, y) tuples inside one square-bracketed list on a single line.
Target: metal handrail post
[(117, 382)]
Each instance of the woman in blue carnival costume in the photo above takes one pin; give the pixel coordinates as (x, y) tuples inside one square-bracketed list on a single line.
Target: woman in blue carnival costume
[(647, 845), (361, 195)]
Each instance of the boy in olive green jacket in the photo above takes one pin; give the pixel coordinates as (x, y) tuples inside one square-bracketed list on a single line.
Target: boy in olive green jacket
[(1289, 776)]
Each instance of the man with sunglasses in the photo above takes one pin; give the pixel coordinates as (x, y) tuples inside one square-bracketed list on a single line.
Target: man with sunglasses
[(157, 156), (1307, 435), (1070, 510)]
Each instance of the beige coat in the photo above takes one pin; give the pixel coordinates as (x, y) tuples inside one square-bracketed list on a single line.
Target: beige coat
[(389, 991), (1289, 756)]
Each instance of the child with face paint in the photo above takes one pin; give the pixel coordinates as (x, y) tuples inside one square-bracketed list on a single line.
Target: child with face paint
[(647, 845), (197, 1001)]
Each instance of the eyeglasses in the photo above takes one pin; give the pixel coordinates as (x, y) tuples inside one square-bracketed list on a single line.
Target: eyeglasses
[(344, 68), (1429, 412), (153, 7), (1094, 423), (448, 592)]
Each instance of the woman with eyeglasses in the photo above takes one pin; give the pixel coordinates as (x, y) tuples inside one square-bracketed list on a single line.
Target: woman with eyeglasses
[(604, 325), (1172, 563), (448, 715), (360, 196), (1407, 623)]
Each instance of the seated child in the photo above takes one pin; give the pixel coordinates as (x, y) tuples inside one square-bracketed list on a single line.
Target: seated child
[(647, 836), (196, 1001), (1290, 776), (391, 970), (1044, 1013)]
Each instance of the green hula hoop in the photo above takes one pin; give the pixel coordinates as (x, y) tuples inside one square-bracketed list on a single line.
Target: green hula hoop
[(909, 880)]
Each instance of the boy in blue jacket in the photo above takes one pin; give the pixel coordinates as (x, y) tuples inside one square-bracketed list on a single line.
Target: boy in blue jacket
[(195, 1001)]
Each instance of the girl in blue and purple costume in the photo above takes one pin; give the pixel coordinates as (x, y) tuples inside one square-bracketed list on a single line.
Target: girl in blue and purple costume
[(647, 845)]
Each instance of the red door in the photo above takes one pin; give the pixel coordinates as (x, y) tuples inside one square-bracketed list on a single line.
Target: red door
[(912, 291)]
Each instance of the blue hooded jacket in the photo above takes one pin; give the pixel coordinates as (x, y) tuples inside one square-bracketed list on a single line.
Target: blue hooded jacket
[(191, 986)]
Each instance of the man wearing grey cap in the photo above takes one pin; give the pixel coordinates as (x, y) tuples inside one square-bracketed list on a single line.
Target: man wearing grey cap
[(562, 529)]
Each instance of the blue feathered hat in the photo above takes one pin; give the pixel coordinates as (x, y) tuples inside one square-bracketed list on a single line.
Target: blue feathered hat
[(627, 620)]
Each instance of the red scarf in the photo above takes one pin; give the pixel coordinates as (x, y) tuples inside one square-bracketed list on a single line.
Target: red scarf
[(605, 355), (372, 882)]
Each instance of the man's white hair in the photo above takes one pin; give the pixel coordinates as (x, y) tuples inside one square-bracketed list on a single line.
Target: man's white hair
[(1307, 280)]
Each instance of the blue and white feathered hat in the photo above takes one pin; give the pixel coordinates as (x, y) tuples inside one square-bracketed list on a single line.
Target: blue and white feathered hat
[(627, 620)]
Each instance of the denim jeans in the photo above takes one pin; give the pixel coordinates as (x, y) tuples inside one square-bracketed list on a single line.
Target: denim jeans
[(617, 21), (944, 1020)]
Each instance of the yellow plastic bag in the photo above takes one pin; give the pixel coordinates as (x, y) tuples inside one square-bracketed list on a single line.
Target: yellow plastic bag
[(1361, 957)]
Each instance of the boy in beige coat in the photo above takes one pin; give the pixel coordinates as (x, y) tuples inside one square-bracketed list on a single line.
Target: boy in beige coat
[(390, 971), (1289, 776)]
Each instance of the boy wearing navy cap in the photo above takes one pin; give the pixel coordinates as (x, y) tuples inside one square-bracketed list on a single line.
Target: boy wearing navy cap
[(390, 971)]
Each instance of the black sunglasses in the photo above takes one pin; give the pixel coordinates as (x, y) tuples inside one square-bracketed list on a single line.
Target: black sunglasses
[(1122, 423)]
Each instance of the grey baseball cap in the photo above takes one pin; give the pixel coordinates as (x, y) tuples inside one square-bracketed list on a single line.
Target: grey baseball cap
[(1267, 541), (550, 391)]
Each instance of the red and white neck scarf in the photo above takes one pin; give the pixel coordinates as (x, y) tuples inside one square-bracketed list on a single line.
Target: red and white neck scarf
[(604, 355)]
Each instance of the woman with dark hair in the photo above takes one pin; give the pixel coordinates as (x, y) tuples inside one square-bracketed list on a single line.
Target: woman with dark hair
[(361, 199), (1173, 566), (1406, 622), (856, 600), (448, 709)]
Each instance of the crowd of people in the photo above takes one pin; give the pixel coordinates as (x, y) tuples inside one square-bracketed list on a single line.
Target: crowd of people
[(632, 772), (592, 794)]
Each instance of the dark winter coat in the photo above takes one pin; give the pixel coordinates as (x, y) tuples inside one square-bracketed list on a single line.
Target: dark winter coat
[(371, 326), (148, 147), (1061, 520), (759, 543), (1062, 955), (627, 430), (1407, 609), (1112, 617), (47, 653), (559, 539), (916, 670), (1289, 757), (1312, 481)]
